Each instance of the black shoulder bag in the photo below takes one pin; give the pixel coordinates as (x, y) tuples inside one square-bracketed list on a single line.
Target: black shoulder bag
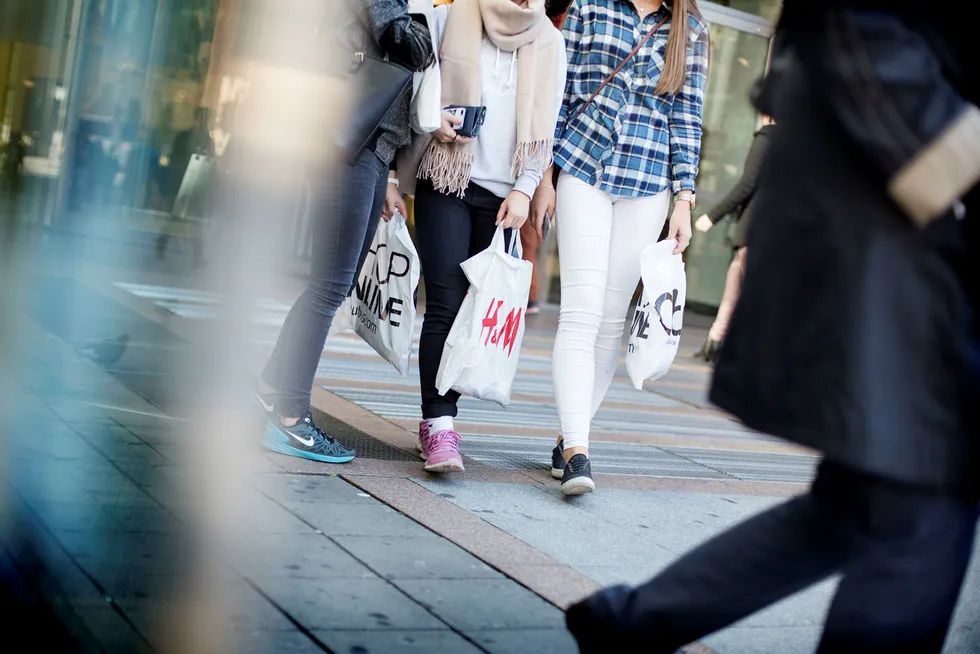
[(376, 85)]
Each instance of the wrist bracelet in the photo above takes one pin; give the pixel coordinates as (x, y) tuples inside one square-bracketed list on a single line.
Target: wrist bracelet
[(394, 180)]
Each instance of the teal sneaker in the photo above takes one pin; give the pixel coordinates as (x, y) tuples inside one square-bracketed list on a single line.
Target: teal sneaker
[(306, 441)]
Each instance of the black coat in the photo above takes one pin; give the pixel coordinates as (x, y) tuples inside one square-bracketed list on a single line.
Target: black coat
[(854, 333), (738, 201)]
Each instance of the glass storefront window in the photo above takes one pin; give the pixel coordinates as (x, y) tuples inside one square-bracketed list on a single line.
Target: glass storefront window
[(738, 58), (768, 9)]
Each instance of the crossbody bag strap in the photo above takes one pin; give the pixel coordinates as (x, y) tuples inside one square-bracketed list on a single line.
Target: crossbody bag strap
[(623, 63)]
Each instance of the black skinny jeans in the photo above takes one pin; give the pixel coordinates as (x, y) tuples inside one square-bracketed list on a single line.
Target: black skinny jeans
[(346, 206), (450, 230)]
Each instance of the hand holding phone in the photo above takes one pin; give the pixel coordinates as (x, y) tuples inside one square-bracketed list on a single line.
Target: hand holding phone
[(472, 119), (447, 132)]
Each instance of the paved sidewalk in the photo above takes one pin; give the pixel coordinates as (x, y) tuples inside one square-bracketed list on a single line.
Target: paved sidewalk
[(376, 556)]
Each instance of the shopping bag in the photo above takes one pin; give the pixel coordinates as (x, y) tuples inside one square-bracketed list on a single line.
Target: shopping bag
[(484, 343), (381, 307), (426, 108), (658, 319)]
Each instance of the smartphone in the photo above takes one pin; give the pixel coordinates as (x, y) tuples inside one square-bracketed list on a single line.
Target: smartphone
[(546, 227), (472, 118)]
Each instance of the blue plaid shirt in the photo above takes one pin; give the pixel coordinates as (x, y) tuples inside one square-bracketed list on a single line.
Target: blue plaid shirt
[(629, 142)]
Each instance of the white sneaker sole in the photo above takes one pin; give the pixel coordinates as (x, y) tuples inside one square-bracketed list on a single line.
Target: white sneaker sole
[(578, 486), (445, 466), (418, 447), (557, 474)]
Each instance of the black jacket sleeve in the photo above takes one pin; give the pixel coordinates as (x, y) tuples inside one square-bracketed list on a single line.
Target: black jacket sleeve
[(889, 88), (406, 41), (742, 192)]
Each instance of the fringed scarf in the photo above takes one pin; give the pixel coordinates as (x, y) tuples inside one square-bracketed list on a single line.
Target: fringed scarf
[(523, 28)]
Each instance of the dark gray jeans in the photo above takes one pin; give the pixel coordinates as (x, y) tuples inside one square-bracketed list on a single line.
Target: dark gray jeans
[(346, 207)]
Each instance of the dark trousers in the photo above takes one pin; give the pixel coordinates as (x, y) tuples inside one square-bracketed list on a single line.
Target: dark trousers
[(450, 230), (346, 205), (902, 551)]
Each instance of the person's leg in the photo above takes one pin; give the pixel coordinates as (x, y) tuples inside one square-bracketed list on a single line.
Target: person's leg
[(637, 223), (901, 585), (733, 575), (345, 207), (484, 207), (584, 217), (729, 297), (442, 227), (531, 244)]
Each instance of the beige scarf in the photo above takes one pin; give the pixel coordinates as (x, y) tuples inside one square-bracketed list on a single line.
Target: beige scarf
[(522, 28)]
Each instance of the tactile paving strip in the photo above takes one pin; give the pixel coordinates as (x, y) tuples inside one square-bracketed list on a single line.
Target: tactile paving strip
[(367, 446), (518, 452)]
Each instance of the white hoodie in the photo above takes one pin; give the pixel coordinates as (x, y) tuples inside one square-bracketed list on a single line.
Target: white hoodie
[(497, 140)]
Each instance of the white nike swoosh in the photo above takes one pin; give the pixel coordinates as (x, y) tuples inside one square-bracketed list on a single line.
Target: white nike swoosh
[(308, 442), (267, 407)]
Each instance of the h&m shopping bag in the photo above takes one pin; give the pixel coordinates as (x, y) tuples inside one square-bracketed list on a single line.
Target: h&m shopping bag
[(655, 332), (381, 307), (483, 346)]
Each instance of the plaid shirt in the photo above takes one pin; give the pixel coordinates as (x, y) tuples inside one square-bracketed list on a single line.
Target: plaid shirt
[(629, 142)]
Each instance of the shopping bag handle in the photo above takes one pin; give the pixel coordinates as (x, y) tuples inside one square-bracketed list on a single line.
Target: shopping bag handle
[(498, 243)]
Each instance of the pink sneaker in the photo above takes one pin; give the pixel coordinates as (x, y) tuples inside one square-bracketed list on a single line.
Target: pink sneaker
[(441, 451), (420, 441)]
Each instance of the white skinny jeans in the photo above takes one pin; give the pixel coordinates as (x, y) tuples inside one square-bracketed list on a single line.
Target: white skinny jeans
[(600, 237)]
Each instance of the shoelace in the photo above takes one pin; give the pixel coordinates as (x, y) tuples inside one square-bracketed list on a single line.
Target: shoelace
[(442, 440), (325, 442)]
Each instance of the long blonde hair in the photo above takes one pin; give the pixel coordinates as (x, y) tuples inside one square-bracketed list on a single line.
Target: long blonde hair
[(675, 54)]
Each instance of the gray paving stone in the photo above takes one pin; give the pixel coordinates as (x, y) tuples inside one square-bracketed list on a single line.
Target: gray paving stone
[(396, 642), (265, 642), (572, 532), (300, 490), (614, 575), (335, 519), (477, 604), (525, 641), (756, 640), (310, 556), (369, 604), (248, 611), (417, 557), (263, 516), (964, 636), (112, 632), (139, 517)]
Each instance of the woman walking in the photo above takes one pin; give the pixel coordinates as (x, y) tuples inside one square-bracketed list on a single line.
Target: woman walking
[(347, 204), (627, 141), (506, 56), (737, 203)]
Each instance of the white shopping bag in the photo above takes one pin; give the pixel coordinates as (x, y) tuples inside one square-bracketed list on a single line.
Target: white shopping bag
[(656, 329), (381, 308), (480, 357), (426, 109)]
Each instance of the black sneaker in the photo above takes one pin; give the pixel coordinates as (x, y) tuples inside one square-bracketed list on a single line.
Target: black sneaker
[(305, 440), (577, 478), (265, 403), (558, 460)]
